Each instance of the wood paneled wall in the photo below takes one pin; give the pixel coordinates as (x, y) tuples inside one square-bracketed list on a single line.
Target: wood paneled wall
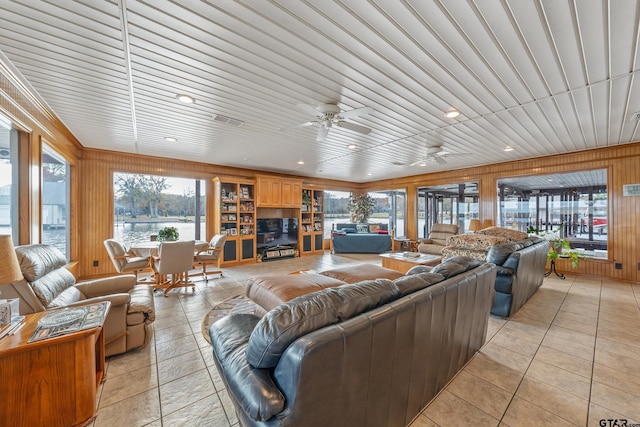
[(96, 195), (622, 163)]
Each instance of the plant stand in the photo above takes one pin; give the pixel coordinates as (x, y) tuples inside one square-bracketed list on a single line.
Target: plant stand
[(552, 269)]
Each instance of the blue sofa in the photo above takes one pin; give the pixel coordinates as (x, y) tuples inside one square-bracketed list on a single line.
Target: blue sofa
[(360, 238)]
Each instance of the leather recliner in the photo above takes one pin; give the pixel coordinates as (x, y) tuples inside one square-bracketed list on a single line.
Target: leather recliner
[(48, 285), (437, 239)]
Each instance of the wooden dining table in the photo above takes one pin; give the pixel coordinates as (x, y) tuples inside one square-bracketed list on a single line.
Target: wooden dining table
[(148, 249)]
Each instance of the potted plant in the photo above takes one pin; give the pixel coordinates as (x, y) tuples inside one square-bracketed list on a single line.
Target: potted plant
[(306, 201), (360, 207), (168, 234), (558, 245)]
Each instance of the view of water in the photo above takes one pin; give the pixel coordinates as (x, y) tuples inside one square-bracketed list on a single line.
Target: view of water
[(132, 232)]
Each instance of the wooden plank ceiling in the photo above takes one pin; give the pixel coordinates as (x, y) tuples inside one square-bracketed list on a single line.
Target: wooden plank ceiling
[(540, 76)]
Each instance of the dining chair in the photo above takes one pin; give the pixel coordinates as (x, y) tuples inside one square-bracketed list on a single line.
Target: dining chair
[(174, 259), (124, 262), (211, 255)]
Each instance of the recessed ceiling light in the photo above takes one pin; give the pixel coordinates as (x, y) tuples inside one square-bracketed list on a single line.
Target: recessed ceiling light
[(508, 148), (422, 164), (452, 114), (170, 139), (185, 98), (369, 174), (300, 162), (352, 146)]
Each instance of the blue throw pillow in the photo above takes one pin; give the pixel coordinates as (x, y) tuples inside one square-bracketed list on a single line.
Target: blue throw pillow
[(348, 230)]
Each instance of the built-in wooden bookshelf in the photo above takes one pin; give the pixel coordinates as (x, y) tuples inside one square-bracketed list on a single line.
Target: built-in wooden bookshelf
[(235, 210), (312, 221)]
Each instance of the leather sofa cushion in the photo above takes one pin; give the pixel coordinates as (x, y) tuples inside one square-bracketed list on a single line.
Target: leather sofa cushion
[(271, 291), (252, 389), (141, 306), (287, 322), (504, 283), (66, 297), (499, 253), (439, 238), (456, 265), (362, 272), (414, 282), (49, 287), (37, 261), (431, 248)]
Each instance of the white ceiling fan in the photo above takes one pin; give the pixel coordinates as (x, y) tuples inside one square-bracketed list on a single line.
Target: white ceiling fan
[(435, 154), (330, 115)]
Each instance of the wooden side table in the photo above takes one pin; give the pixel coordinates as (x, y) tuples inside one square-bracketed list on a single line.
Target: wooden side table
[(51, 382)]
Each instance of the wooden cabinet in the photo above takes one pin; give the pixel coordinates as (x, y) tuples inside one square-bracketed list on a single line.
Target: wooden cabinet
[(278, 192), (312, 221), (51, 382), (235, 216)]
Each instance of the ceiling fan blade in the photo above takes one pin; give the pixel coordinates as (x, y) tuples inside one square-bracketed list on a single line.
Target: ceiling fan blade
[(417, 163), (440, 160), (310, 109), (322, 134), (301, 125), (357, 112), (354, 127)]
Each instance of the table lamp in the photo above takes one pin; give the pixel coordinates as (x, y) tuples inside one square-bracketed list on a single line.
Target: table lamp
[(474, 225), (488, 223), (10, 272)]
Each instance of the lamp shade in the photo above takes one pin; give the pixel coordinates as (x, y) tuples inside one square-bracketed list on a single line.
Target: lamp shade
[(10, 271), (474, 225), (488, 223)]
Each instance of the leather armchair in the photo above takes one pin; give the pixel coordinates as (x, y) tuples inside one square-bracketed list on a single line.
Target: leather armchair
[(48, 285), (437, 239)]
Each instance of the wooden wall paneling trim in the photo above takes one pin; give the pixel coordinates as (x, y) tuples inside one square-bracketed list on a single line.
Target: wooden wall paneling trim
[(24, 188)]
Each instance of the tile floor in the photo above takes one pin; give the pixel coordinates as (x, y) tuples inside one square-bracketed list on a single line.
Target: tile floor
[(570, 356)]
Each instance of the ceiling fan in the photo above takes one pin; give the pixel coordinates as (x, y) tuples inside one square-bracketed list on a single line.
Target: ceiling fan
[(435, 154), (330, 115)]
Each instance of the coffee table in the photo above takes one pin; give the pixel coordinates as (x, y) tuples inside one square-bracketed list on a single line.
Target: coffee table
[(404, 261)]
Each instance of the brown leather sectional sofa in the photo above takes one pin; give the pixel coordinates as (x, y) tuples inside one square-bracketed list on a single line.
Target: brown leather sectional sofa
[(373, 353)]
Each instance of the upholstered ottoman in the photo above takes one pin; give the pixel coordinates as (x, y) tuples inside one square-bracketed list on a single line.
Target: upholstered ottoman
[(271, 291), (360, 272)]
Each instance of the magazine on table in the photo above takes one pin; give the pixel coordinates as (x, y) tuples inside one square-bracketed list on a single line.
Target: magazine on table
[(68, 320)]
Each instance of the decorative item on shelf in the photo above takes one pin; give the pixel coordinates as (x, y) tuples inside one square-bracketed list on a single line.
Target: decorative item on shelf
[(360, 207), (306, 197), (168, 234), (475, 225)]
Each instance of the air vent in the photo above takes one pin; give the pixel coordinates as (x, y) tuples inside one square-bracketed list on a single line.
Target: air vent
[(227, 120), (398, 163), (636, 116)]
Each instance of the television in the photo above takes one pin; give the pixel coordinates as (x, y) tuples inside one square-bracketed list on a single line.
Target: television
[(276, 232)]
